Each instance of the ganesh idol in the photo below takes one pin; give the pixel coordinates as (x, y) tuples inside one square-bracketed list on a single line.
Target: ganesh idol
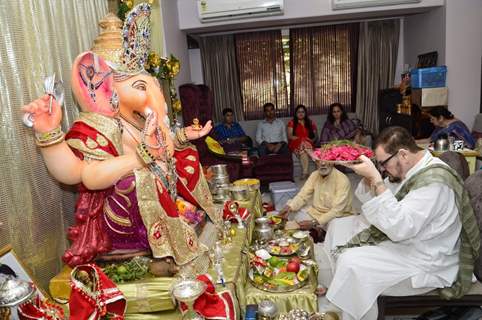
[(132, 170)]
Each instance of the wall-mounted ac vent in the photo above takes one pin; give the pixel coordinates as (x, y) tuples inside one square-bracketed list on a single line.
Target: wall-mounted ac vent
[(351, 4), (217, 10)]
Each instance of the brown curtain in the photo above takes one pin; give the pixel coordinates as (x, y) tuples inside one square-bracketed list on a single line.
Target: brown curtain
[(323, 66), (262, 73), (38, 38), (218, 56), (377, 59)]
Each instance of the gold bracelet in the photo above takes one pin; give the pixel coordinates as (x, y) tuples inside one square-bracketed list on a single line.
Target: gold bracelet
[(144, 153), (45, 139), (51, 142), (181, 136)]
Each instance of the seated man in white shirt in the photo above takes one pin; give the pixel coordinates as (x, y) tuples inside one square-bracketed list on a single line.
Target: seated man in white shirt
[(271, 133), (417, 230)]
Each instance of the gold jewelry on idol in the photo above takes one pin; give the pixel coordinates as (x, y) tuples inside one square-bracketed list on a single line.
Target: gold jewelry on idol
[(50, 138), (181, 136)]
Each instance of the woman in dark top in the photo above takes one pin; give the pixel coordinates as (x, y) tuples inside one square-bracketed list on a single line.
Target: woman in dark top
[(339, 127), (447, 125)]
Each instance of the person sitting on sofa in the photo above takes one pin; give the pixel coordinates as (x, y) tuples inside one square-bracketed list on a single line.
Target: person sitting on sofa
[(271, 133), (446, 124), (230, 134), (302, 136), (331, 194), (339, 127)]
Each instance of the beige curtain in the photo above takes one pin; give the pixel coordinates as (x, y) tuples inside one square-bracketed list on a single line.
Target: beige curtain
[(38, 38), (377, 59), (218, 56), (323, 66), (262, 73)]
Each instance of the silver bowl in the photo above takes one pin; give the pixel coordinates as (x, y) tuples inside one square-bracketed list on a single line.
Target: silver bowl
[(14, 291), (219, 170), (188, 291), (217, 180)]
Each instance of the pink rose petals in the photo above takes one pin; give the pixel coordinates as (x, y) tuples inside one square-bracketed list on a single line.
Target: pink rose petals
[(343, 153)]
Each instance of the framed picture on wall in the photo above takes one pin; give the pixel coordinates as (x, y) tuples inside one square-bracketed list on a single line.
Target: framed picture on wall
[(10, 264)]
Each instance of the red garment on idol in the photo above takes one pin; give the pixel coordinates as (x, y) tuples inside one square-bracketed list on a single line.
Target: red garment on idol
[(228, 215), (92, 302), (90, 236), (212, 304), (39, 309)]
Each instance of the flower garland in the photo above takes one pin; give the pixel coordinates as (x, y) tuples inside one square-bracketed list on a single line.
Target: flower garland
[(160, 67)]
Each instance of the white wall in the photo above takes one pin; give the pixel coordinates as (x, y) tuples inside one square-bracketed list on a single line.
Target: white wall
[(296, 11), (463, 57), (175, 41), (196, 66), (425, 33), (455, 31)]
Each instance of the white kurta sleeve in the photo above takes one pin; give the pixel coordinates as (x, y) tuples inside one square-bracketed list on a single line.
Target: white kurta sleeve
[(363, 192), (402, 220)]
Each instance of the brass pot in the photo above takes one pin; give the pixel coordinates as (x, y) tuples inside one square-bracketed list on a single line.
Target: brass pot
[(240, 193)]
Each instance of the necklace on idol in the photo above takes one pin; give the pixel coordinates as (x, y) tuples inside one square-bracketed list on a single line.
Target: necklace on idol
[(168, 176)]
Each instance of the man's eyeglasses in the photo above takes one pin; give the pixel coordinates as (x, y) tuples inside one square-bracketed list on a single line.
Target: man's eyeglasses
[(382, 164)]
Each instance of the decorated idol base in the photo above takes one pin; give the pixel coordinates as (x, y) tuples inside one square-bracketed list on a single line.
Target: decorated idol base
[(187, 291)]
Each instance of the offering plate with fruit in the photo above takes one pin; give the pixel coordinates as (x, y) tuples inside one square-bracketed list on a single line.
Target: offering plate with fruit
[(286, 246), (276, 274)]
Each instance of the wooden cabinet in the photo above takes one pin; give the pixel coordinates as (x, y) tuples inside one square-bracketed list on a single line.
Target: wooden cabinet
[(417, 123)]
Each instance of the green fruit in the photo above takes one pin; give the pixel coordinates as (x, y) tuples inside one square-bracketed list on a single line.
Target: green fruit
[(258, 280), (121, 269)]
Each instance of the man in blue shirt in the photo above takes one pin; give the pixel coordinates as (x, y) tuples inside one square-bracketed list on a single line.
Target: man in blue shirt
[(230, 134)]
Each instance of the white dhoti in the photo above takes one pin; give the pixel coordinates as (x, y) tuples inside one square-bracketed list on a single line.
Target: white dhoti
[(362, 272)]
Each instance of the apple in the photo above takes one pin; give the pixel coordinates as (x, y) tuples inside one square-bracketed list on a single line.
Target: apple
[(293, 266), (295, 259)]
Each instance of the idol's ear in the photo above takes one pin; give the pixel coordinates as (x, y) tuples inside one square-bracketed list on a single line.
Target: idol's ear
[(92, 84)]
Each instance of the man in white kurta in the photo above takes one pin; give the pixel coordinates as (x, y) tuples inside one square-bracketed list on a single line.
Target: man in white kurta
[(424, 229)]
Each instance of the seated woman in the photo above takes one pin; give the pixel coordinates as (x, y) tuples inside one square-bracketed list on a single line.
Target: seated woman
[(446, 124), (339, 127), (302, 134)]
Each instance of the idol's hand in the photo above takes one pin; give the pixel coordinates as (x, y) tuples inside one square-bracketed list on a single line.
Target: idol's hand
[(366, 169), (37, 112), (193, 134)]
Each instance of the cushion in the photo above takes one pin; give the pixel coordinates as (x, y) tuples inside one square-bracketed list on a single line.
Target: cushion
[(473, 185), (457, 162)]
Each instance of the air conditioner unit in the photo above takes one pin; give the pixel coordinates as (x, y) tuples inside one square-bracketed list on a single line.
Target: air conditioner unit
[(351, 4), (216, 10)]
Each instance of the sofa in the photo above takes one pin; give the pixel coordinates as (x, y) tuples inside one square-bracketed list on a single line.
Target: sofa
[(250, 126)]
